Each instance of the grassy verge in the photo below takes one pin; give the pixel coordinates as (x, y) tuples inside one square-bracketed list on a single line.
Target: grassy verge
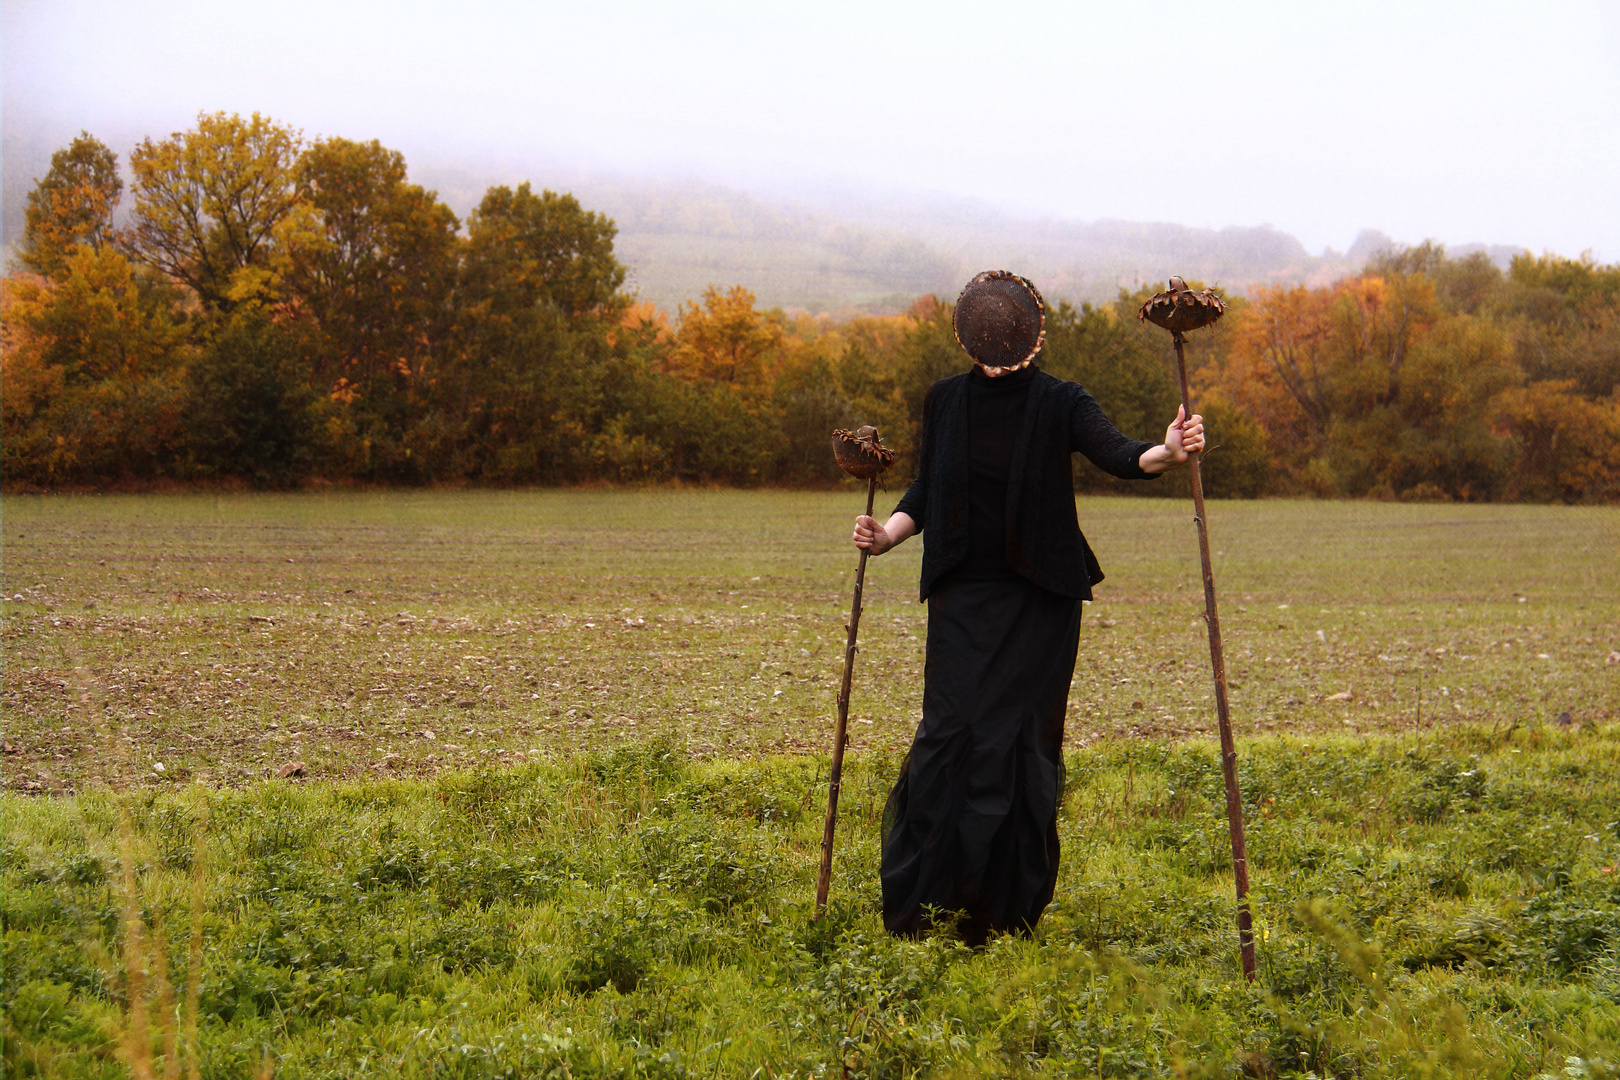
[(1434, 904)]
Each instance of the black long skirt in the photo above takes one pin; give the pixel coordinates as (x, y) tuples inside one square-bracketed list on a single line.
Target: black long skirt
[(971, 825)]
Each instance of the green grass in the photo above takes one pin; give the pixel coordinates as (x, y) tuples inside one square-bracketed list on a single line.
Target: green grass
[(569, 825), (1436, 904)]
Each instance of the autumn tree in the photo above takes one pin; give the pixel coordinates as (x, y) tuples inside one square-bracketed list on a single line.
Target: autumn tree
[(208, 204), (91, 365), (1566, 447), (1282, 364), (726, 341), (72, 204), (888, 379), (724, 359)]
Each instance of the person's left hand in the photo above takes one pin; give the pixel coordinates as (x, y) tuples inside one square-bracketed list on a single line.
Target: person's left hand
[(1184, 436)]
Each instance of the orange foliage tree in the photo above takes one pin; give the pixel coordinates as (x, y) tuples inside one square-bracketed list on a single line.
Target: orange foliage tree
[(90, 367)]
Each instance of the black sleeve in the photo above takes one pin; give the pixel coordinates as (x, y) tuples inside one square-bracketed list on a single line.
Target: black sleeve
[(914, 503), (1094, 435)]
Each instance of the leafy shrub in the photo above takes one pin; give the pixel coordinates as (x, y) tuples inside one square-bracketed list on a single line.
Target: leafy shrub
[(616, 943), (710, 866), (1569, 926), (463, 940), (1478, 939)]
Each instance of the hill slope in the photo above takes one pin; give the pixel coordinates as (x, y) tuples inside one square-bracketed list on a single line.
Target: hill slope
[(824, 252)]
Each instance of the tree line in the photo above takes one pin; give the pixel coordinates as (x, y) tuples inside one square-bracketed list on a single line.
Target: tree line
[(262, 310)]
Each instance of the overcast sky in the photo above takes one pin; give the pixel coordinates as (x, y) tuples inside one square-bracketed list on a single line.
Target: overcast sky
[(1493, 122)]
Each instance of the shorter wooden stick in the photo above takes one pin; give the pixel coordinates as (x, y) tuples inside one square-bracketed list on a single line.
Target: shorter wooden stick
[(824, 881)]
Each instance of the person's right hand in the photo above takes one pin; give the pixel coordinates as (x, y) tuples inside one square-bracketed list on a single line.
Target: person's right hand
[(872, 536)]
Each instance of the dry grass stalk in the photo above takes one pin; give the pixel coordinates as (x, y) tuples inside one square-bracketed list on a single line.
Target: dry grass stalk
[(142, 944)]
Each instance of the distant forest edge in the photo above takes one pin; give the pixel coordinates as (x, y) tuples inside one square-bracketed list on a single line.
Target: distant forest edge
[(262, 310)]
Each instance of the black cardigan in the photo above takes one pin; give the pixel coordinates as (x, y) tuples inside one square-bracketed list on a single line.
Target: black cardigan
[(1044, 542)]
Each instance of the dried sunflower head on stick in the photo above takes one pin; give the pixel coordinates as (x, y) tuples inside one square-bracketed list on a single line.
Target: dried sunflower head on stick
[(1180, 309), (860, 453)]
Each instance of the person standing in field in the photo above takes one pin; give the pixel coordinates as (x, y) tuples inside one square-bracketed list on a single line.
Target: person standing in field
[(971, 824)]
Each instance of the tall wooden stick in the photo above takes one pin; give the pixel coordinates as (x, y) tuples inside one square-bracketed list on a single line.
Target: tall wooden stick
[(825, 880), (1217, 659)]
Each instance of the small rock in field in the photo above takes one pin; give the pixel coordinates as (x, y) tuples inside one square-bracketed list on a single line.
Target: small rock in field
[(1564, 719), (157, 767), (1342, 695), (1137, 705), (1614, 658), (429, 735), (466, 703), (292, 768), (7, 748)]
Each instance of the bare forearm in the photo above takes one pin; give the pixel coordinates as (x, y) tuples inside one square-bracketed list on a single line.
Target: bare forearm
[(899, 528), (880, 538), (1159, 459)]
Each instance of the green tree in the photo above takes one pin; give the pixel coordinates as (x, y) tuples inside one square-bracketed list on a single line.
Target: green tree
[(73, 204), (517, 397), (372, 271), (1238, 463), (928, 353), (250, 412), (525, 249), (210, 202), (1568, 313), (376, 269)]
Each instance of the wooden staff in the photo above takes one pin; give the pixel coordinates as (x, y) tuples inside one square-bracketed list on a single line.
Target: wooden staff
[(1179, 310), (859, 454)]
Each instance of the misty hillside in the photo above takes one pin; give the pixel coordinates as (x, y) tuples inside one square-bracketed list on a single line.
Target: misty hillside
[(846, 253), (877, 255)]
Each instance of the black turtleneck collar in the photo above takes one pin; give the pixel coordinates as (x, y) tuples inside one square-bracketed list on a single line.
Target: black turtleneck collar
[(1022, 377)]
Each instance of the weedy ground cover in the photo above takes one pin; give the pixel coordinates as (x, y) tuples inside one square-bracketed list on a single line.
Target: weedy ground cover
[(1435, 904)]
